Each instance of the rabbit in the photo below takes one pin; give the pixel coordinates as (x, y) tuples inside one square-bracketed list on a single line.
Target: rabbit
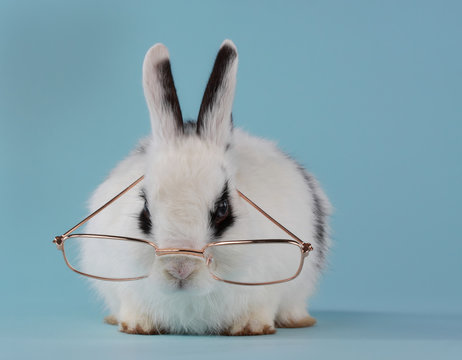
[(189, 168)]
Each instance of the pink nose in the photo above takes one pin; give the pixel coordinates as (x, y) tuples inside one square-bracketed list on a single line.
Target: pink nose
[(180, 271)]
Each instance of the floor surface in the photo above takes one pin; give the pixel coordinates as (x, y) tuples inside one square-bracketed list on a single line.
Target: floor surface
[(338, 335)]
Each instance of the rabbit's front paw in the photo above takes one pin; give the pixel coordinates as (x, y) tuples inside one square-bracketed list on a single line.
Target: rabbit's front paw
[(252, 325), (142, 325), (140, 329)]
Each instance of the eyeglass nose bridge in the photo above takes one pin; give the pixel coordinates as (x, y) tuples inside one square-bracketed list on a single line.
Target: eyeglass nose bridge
[(174, 251)]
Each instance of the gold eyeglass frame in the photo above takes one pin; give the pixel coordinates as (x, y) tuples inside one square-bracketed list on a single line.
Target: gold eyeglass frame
[(305, 248)]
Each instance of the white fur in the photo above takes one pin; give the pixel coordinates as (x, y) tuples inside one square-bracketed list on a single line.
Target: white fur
[(183, 177)]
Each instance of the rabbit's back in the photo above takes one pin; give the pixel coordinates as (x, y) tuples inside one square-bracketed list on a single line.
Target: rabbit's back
[(284, 189)]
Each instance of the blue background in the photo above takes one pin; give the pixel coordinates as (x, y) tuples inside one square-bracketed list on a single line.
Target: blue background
[(366, 94)]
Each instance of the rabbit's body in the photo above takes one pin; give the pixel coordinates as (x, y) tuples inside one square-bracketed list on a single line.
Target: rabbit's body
[(186, 171)]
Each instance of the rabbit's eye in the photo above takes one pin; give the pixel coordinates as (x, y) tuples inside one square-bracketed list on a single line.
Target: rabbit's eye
[(222, 211), (221, 216)]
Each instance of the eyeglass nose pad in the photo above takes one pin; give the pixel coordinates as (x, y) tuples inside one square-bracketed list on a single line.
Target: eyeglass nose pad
[(208, 260)]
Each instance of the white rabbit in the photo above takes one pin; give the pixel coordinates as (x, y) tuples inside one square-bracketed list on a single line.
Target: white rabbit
[(189, 168)]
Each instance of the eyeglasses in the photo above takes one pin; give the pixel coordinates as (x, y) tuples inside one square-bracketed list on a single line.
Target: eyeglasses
[(240, 262)]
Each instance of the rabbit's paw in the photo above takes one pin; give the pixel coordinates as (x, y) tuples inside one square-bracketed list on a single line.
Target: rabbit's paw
[(140, 326), (252, 325), (294, 320), (111, 320), (140, 329)]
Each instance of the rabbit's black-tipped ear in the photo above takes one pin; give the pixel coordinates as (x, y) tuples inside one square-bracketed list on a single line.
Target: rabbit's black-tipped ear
[(214, 121), (160, 94)]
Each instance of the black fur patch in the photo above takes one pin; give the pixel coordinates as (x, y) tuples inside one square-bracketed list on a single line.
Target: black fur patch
[(224, 57), (190, 127), (144, 218), (141, 149), (170, 96), (320, 223), (219, 228)]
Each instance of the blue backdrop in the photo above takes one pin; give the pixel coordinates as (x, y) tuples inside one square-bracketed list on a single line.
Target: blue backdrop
[(366, 94)]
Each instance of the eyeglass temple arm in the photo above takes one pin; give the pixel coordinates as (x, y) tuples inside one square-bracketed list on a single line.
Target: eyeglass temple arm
[(306, 246), (133, 184)]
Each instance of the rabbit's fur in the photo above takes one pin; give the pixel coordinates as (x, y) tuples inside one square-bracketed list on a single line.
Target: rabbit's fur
[(187, 167)]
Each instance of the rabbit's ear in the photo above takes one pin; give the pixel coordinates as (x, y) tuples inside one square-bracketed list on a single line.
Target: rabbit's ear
[(214, 120), (160, 94)]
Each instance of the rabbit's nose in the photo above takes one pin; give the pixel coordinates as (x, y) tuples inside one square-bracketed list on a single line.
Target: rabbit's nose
[(181, 270), (180, 273)]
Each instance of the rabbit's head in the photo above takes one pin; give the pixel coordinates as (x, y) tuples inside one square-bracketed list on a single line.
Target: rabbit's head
[(189, 188)]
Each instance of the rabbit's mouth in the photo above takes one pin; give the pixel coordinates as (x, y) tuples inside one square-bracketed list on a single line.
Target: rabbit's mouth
[(181, 284), (192, 285)]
